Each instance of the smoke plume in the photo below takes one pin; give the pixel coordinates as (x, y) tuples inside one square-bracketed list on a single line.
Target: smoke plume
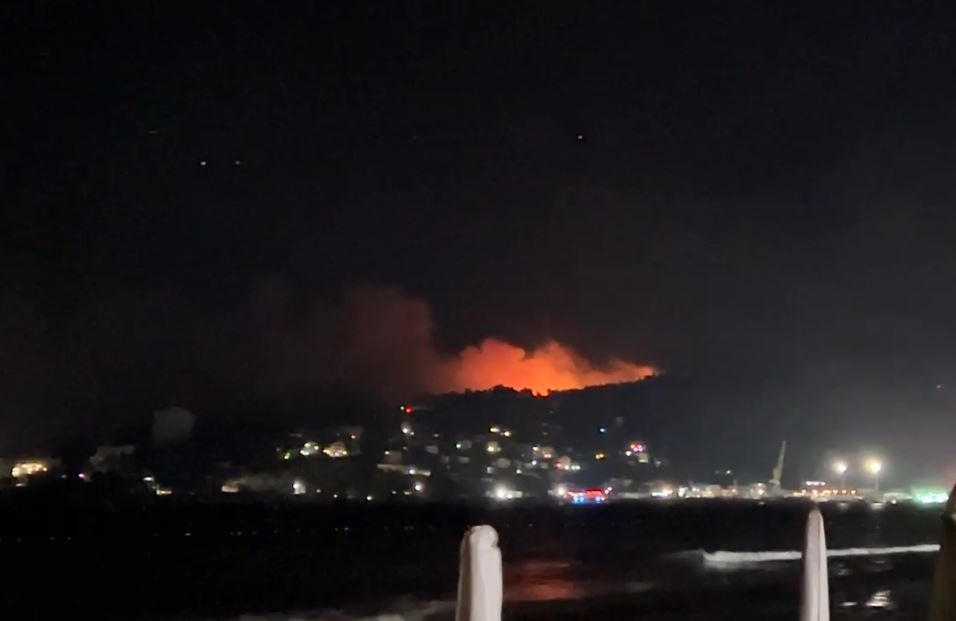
[(172, 424), (382, 340), (132, 352)]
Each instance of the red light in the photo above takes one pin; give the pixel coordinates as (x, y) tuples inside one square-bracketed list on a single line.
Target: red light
[(407, 409)]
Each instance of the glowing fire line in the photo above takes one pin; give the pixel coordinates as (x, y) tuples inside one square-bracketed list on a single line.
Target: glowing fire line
[(549, 367)]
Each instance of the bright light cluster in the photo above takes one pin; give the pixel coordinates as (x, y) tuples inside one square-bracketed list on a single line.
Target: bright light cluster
[(503, 492), (930, 496), (28, 468), (336, 450)]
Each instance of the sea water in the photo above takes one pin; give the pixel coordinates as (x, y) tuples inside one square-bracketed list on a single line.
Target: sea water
[(662, 560)]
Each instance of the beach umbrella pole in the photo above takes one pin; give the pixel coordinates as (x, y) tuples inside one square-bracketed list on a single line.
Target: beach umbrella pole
[(815, 596), (479, 577)]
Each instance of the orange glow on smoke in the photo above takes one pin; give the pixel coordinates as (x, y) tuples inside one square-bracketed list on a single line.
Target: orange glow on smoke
[(552, 366)]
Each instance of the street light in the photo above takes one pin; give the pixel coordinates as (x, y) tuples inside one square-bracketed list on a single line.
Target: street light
[(840, 467), (875, 466)]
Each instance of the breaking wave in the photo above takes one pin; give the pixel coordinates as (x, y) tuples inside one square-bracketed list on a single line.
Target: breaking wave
[(727, 558)]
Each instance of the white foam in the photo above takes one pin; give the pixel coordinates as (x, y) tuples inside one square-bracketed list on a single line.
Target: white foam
[(925, 548), (724, 557)]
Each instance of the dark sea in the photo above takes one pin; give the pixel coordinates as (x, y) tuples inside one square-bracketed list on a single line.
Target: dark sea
[(655, 560)]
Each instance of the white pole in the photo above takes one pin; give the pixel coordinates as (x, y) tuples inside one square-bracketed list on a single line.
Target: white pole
[(480, 582), (815, 597), (942, 606)]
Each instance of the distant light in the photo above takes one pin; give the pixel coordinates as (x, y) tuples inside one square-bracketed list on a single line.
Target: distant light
[(202, 162), (506, 433), (298, 487), (368, 498), (840, 467), (493, 447), (336, 450), (494, 429), (28, 468), (663, 492), (602, 429), (419, 486), (599, 456), (874, 466), (930, 496), (589, 496)]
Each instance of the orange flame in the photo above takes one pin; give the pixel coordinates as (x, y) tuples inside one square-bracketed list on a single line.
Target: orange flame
[(551, 366)]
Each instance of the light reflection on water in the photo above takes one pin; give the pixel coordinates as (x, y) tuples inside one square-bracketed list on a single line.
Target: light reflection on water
[(539, 581), (881, 599), (548, 580)]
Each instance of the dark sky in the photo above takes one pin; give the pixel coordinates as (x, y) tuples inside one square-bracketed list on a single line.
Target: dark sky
[(758, 196)]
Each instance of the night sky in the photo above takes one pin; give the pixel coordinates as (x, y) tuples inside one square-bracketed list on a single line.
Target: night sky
[(244, 203)]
